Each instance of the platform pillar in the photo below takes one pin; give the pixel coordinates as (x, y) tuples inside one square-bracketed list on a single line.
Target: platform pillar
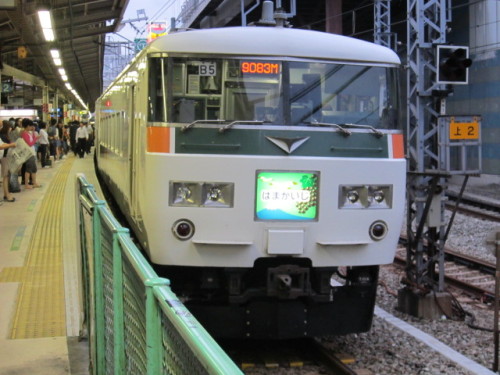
[(432, 305)]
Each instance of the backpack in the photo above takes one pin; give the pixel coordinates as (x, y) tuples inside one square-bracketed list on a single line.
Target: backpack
[(52, 131)]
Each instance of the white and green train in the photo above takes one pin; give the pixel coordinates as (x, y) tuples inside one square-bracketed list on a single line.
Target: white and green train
[(255, 164)]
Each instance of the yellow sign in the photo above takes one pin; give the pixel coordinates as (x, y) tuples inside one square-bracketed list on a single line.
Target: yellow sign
[(22, 52), (155, 30), (464, 130)]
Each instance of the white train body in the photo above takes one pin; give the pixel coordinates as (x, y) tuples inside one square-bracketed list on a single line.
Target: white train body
[(232, 148)]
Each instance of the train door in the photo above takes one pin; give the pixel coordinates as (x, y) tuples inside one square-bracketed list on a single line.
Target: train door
[(134, 155)]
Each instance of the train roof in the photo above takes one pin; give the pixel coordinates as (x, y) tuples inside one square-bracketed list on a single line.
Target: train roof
[(274, 41)]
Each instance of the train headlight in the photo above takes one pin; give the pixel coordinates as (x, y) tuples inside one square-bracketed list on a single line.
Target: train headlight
[(201, 194), (217, 195), (352, 196), (380, 196), (185, 194), (365, 196)]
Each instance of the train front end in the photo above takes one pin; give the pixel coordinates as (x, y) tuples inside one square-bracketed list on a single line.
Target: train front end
[(273, 185)]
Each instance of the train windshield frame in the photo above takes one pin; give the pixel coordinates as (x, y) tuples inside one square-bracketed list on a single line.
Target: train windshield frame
[(272, 91)]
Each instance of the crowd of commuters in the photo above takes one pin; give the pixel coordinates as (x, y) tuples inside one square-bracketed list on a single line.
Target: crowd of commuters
[(49, 142)]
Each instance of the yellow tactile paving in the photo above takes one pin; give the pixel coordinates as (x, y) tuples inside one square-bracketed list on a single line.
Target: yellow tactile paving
[(12, 274), (40, 310)]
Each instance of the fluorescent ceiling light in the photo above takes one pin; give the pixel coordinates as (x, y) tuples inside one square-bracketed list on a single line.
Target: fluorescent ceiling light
[(48, 35), (68, 85), (56, 56), (45, 19), (17, 112), (46, 24), (62, 71)]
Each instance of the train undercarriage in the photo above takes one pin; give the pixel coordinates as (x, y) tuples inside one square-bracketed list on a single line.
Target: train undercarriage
[(277, 299)]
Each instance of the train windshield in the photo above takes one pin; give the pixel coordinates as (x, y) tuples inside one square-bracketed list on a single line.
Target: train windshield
[(278, 92)]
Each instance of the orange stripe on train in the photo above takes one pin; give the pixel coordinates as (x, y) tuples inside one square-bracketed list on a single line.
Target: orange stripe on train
[(158, 139), (398, 150)]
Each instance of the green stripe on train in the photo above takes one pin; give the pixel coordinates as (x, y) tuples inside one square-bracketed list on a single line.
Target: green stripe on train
[(257, 142)]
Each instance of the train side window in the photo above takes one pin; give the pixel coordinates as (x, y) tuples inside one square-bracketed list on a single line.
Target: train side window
[(253, 91), (188, 110), (250, 102), (195, 89), (157, 89)]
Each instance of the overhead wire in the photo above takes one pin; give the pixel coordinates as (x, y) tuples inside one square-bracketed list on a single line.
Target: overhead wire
[(369, 3)]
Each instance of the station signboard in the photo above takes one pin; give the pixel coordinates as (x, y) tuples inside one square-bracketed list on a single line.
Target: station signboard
[(460, 144), (155, 30)]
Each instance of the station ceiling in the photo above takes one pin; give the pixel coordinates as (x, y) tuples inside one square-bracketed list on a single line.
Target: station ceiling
[(80, 27)]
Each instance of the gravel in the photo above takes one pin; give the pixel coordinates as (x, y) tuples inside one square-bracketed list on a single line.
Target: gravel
[(385, 350)]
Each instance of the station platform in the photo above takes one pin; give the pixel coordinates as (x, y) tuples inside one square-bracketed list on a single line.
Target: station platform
[(40, 317)]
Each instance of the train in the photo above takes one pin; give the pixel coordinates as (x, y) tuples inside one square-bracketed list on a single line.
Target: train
[(262, 171)]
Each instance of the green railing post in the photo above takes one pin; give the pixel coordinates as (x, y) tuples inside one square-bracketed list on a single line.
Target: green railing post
[(98, 289), (118, 320), (84, 238), (153, 324)]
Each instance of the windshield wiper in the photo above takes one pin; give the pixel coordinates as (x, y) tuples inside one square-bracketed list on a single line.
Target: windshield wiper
[(377, 133), (191, 125), (344, 132), (239, 122)]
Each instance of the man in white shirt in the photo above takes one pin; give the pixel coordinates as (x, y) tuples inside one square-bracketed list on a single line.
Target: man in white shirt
[(44, 145), (81, 140)]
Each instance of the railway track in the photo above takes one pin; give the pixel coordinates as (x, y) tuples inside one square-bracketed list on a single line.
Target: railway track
[(302, 356), (482, 208), (471, 275)]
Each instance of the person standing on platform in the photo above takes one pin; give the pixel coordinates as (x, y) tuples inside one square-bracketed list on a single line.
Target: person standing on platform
[(53, 139), (60, 131), (73, 127), (16, 130), (30, 169), (44, 145), (81, 140), (90, 138), (35, 131), (65, 139), (5, 144)]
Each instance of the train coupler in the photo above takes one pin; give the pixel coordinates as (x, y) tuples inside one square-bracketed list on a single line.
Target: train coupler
[(288, 282)]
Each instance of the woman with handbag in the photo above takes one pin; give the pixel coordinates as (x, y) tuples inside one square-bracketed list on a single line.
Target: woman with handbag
[(30, 138), (5, 144)]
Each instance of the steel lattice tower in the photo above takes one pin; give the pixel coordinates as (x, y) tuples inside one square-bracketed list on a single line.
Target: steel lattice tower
[(382, 23), (426, 28), (116, 56)]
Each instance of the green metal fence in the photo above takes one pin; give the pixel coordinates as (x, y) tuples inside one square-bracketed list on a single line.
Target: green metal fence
[(136, 325)]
